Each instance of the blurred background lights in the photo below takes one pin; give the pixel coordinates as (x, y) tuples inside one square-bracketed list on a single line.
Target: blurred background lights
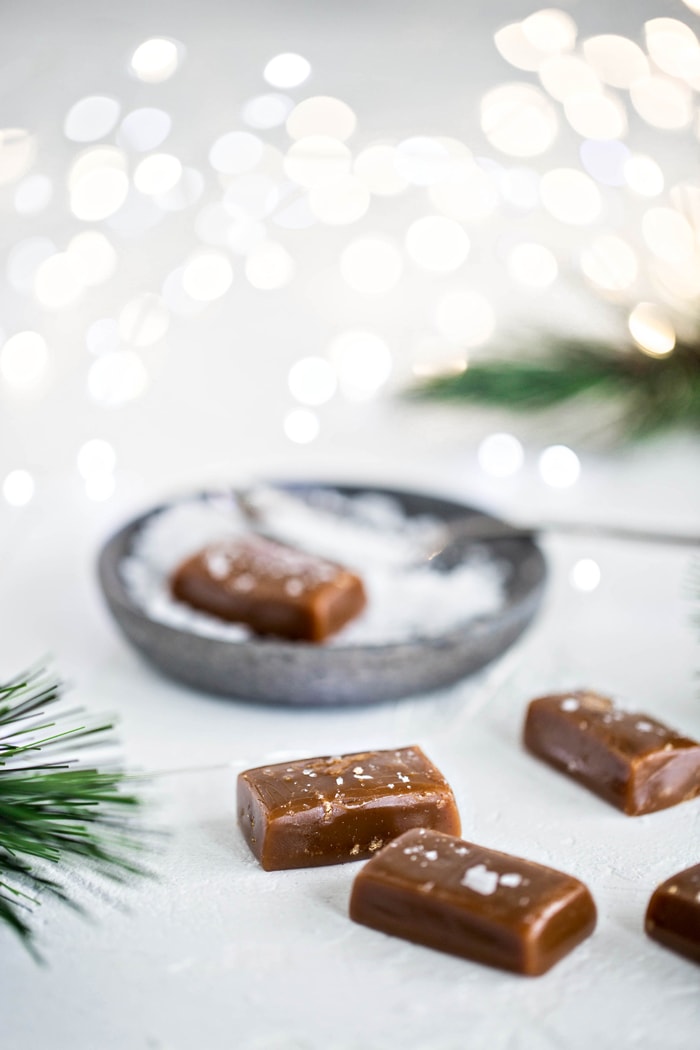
[(25, 258), (363, 363), (372, 265), (144, 129), (91, 118), (376, 167), (342, 203), (550, 30), (662, 101), (605, 161), (253, 196), (317, 160), (518, 119), (437, 243), (651, 329), (520, 187), (596, 116), (143, 320), (269, 265), (102, 336), (617, 60), (17, 153), (98, 183), (422, 161), (559, 467), (287, 70), (23, 359), (668, 234), (96, 458), (585, 575), (565, 76), (116, 378), (95, 254), (465, 316), (157, 173), (643, 175), (59, 281), (301, 426), (321, 115), (433, 356), (532, 265), (610, 263), (471, 197), (100, 487), (500, 455), (570, 196), (312, 380), (243, 235), (235, 152), (267, 111), (516, 49), (156, 59), (207, 276), (673, 46), (183, 194), (33, 194), (18, 488)]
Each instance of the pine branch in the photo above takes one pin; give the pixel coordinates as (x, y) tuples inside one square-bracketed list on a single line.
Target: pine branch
[(651, 393), (55, 812)]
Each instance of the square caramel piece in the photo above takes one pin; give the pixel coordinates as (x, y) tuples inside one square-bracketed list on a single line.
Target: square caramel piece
[(272, 588), (445, 893), (630, 759), (330, 810), (673, 915)]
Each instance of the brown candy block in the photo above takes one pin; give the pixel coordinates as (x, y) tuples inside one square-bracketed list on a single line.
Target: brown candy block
[(449, 894), (673, 915), (630, 759), (329, 810), (272, 588)]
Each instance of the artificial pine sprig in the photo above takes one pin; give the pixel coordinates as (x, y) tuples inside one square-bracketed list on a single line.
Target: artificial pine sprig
[(650, 393), (55, 812)]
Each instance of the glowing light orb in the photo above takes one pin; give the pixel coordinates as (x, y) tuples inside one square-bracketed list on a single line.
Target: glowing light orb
[(533, 265), (33, 194), (668, 234), (157, 173), (23, 359), (585, 575), (643, 175), (287, 70), (422, 161), (95, 254), (342, 203), (144, 320), (371, 265), (471, 196), (207, 276), (236, 152), (59, 281), (550, 30), (570, 196), (321, 115), (17, 153), (267, 111), (518, 120), (651, 330), (269, 265), (610, 263), (437, 243), (662, 101), (312, 380), (375, 166), (156, 59), (96, 458), (144, 129), (559, 467), (363, 363), (566, 75), (116, 378), (596, 115), (317, 160), (18, 488), (465, 316), (301, 426), (500, 455), (91, 118), (673, 46), (617, 60)]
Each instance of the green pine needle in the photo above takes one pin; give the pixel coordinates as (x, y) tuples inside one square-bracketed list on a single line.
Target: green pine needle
[(651, 393), (55, 812)]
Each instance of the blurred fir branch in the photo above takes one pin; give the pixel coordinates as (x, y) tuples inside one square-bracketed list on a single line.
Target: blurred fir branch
[(55, 813), (650, 393)]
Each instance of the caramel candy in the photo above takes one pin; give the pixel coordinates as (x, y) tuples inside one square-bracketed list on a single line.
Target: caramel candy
[(272, 588), (329, 810), (673, 915), (629, 759), (445, 893)]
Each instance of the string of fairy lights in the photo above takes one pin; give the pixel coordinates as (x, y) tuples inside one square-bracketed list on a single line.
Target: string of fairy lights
[(380, 212)]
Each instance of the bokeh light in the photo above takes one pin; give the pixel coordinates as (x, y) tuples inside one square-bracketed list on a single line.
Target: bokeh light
[(33, 194), (269, 265), (533, 265), (235, 152), (143, 320), (59, 281), (617, 60), (98, 183), (422, 161), (116, 378), (301, 426), (465, 316), (18, 488), (437, 243), (662, 101), (610, 263), (500, 455), (363, 363), (156, 59), (321, 115), (596, 115), (317, 160), (673, 46), (605, 161), (651, 330), (95, 255), (207, 276), (267, 111), (96, 458), (144, 129), (470, 196), (570, 196), (287, 70), (519, 120), (559, 466), (23, 359), (371, 265), (341, 203), (24, 260), (643, 175), (312, 380), (376, 167), (550, 30), (17, 153), (668, 234), (91, 118), (157, 173), (565, 76), (585, 575)]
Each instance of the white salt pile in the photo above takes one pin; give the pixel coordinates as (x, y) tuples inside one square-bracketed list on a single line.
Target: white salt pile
[(368, 533)]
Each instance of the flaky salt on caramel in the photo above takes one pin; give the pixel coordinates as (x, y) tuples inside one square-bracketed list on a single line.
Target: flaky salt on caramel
[(628, 758), (271, 588), (673, 914), (340, 808)]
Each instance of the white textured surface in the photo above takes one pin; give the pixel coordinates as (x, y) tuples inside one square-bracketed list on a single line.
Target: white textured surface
[(218, 953)]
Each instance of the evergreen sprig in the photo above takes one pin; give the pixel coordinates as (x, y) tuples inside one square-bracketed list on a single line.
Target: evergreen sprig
[(650, 393), (55, 812)]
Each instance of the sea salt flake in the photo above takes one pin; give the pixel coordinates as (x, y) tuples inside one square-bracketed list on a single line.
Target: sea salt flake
[(339, 781), (480, 879), (431, 854), (570, 704), (510, 878), (294, 587), (644, 726)]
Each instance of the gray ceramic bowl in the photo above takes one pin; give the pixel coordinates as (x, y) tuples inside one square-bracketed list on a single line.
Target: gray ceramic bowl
[(275, 671)]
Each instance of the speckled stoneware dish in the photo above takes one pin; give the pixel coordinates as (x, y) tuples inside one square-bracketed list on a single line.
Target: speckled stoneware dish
[(275, 671)]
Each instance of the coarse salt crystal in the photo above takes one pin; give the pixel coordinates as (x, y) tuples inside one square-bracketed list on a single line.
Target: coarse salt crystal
[(510, 878), (570, 704), (480, 879)]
